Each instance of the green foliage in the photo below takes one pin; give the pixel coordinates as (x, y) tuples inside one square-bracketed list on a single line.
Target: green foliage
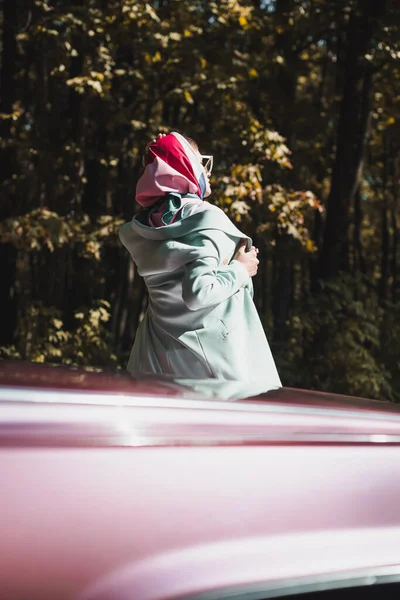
[(390, 345), (257, 84), (337, 344), (42, 337), (42, 229)]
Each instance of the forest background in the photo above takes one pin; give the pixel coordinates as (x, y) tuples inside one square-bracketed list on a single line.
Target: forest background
[(298, 101)]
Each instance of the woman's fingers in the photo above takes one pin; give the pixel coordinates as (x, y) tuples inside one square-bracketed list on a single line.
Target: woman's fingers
[(159, 137), (154, 140), (241, 250), (248, 259)]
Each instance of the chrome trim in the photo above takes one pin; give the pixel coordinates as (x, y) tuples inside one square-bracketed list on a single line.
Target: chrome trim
[(63, 418), (54, 397), (75, 439), (304, 585), (47, 425)]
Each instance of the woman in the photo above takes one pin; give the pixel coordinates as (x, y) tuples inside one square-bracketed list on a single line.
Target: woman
[(201, 321)]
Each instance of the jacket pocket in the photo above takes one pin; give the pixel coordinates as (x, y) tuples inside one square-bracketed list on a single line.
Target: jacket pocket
[(222, 350)]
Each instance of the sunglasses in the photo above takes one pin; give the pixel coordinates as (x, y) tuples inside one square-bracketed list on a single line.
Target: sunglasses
[(207, 160)]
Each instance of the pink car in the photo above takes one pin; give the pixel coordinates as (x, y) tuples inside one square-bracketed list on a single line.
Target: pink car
[(113, 489)]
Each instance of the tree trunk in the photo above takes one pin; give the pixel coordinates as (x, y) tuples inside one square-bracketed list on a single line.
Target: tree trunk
[(383, 282), (42, 121), (7, 90), (352, 134), (359, 260), (7, 95), (287, 71), (284, 113), (282, 292), (395, 247), (393, 219), (385, 240)]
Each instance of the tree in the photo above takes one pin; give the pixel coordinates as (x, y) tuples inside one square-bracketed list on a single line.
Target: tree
[(352, 133), (297, 100)]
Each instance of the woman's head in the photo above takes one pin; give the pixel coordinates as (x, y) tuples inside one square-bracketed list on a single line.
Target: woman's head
[(172, 163)]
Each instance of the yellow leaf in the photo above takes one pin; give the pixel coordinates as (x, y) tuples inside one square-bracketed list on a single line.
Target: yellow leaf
[(188, 97), (253, 73), (157, 57), (242, 21), (310, 246)]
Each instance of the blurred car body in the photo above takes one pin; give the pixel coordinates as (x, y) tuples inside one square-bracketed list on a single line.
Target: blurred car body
[(115, 489)]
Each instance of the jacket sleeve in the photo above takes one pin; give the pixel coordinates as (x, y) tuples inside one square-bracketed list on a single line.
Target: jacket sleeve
[(206, 283)]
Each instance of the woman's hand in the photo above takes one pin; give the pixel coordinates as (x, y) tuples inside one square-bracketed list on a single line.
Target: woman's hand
[(248, 259), (154, 140), (150, 143)]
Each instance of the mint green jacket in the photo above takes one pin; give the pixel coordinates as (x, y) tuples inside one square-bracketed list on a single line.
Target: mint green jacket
[(201, 321)]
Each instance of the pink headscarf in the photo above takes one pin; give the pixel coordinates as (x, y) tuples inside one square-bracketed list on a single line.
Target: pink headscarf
[(172, 165)]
